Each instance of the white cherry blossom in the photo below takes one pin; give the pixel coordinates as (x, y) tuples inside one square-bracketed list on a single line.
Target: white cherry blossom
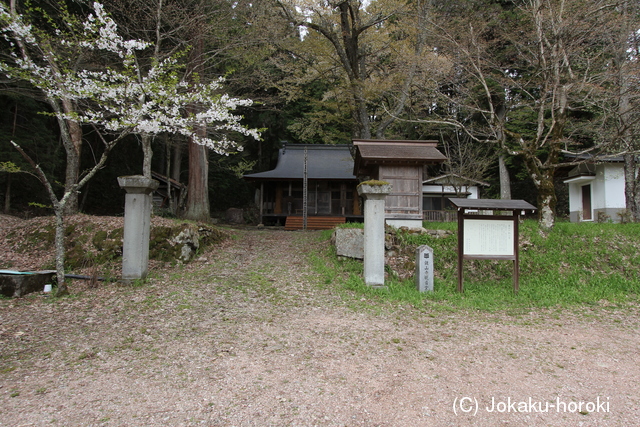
[(125, 99)]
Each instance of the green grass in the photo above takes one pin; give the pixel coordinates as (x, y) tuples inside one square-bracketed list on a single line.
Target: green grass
[(574, 264)]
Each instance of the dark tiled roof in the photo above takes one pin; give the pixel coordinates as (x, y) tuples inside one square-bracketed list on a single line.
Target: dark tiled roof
[(323, 162), (376, 152), (598, 158), (492, 204), (399, 150), (585, 169), (453, 178)]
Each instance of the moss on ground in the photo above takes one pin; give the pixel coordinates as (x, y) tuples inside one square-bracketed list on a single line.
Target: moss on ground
[(88, 245)]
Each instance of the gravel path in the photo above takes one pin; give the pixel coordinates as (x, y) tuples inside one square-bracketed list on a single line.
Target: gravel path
[(251, 336)]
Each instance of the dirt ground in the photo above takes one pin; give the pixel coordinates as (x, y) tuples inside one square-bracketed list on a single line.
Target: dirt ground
[(250, 335)]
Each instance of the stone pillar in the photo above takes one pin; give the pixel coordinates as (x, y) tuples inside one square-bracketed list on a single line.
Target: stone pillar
[(374, 198), (137, 225)]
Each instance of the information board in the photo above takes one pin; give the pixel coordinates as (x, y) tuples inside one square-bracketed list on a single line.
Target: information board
[(488, 237)]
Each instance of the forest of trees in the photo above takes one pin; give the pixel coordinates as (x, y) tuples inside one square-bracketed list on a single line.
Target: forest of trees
[(509, 88)]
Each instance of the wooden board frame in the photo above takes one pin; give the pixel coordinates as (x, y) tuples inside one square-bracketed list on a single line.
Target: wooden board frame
[(514, 218)]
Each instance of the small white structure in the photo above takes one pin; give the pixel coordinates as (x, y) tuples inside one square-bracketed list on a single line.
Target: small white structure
[(437, 191), (596, 191)]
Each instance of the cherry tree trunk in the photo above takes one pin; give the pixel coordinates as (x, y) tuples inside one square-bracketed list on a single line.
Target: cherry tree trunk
[(60, 252), (72, 174)]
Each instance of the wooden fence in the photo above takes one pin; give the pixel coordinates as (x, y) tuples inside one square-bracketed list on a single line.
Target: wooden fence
[(440, 216)]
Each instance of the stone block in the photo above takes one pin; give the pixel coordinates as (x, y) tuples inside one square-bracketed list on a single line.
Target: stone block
[(234, 216), (20, 284), (350, 242)]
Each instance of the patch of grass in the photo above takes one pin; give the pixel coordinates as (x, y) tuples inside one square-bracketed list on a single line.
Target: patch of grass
[(351, 225), (451, 226), (87, 354), (323, 268), (265, 287), (574, 264), (41, 238), (138, 283)]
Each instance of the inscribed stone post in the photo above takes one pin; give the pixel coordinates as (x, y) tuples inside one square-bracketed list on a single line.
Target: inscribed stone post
[(424, 268), (374, 217)]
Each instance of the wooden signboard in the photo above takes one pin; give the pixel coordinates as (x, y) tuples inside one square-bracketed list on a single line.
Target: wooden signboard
[(489, 236)]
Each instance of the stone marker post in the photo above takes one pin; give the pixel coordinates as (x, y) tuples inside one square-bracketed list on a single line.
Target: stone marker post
[(374, 196), (137, 225), (424, 268)]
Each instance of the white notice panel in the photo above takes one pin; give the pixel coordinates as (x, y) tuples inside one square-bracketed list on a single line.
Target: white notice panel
[(488, 237)]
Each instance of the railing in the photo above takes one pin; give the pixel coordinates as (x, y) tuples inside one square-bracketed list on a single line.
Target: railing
[(440, 216), (452, 216)]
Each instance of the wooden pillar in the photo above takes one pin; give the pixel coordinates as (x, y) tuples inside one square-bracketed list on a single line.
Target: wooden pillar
[(277, 208), (461, 212), (261, 201), (356, 203)]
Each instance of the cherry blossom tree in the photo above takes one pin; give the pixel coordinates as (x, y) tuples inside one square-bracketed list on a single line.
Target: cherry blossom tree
[(116, 100)]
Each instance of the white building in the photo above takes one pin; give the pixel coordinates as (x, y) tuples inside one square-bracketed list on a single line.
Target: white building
[(436, 192), (596, 191)]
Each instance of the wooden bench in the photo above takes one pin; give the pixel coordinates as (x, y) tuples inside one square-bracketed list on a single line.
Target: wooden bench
[(313, 222)]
